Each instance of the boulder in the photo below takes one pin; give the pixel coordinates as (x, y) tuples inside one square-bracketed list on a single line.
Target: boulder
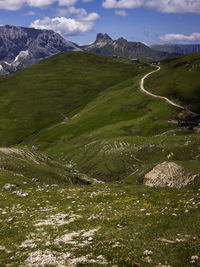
[(169, 174), (9, 186)]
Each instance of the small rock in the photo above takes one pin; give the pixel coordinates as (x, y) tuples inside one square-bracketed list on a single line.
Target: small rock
[(195, 258), (147, 252), (93, 217), (148, 259), (35, 180), (20, 194), (100, 257), (10, 220), (9, 186), (35, 148)]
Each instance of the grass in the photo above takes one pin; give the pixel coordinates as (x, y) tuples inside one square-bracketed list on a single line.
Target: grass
[(90, 121), (121, 135), (109, 129), (21, 165), (58, 87), (121, 221), (178, 80)]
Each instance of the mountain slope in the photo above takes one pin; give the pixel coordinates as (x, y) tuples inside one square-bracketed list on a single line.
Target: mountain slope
[(179, 80), (121, 47), (55, 89), (87, 109), (21, 47), (177, 48)]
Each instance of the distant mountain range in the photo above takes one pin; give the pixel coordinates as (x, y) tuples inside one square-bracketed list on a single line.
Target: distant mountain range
[(21, 47), (106, 46), (177, 48)]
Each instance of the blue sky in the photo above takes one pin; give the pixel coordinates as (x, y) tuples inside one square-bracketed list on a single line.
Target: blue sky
[(148, 21)]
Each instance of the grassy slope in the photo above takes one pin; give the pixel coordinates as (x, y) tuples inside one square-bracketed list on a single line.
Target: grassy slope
[(179, 80), (123, 222), (38, 96), (111, 133), (22, 166), (113, 136), (116, 136)]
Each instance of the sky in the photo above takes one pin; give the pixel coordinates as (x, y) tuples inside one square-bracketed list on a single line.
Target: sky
[(147, 21)]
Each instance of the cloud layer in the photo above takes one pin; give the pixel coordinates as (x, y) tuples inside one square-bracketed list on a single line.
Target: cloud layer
[(194, 37), (166, 6), (17, 4), (82, 22)]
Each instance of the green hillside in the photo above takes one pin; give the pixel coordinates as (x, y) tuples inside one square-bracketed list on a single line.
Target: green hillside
[(87, 109), (56, 88), (77, 197), (179, 80), (120, 135)]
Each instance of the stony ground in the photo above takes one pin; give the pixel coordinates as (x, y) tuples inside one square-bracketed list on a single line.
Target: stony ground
[(99, 225)]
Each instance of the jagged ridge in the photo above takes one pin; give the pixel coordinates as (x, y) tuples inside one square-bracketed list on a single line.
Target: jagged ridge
[(123, 48), (21, 47)]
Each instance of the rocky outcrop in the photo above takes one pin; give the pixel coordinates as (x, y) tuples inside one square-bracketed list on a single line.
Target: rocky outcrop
[(121, 47), (21, 47), (169, 174)]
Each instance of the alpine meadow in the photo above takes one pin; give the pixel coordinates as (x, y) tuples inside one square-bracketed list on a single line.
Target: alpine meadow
[(99, 140)]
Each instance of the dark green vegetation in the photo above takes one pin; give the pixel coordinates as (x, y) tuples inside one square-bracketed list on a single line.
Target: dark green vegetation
[(87, 108), (179, 80), (87, 116), (60, 86), (23, 165), (102, 225)]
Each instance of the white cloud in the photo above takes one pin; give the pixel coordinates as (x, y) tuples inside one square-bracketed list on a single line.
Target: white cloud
[(194, 37), (166, 6), (11, 4), (67, 2), (79, 13), (39, 3), (82, 22), (17, 4), (122, 13), (71, 11), (175, 6), (30, 13), (122, 3)]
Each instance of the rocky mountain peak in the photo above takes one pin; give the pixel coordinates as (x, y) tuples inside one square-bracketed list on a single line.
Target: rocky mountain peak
[(38, 44), (103, 38), (121, 40)]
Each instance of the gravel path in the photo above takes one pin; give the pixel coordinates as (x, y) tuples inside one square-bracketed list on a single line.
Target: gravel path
[(142, 89)]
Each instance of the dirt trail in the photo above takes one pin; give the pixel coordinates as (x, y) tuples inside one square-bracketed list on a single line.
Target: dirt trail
[(142, 89)]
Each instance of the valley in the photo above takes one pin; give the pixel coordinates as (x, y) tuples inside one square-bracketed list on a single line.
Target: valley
[(80, 138)]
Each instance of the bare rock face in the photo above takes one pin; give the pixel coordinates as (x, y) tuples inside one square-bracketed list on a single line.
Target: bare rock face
[(21, 47), (168, 174)]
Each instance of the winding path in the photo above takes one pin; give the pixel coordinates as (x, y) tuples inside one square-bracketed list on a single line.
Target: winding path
[(142, 89)]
